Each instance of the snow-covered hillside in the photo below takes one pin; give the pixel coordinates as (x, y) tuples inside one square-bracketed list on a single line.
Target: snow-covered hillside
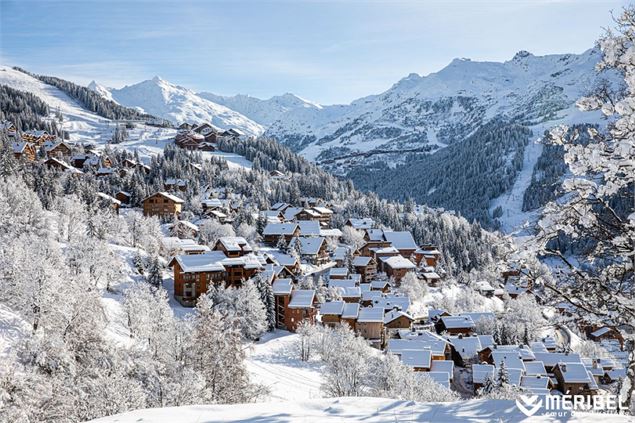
[(348, 410), (443, 107), (178, 104)]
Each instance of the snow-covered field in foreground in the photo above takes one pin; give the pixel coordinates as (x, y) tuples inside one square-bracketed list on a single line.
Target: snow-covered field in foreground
[(348, 410)]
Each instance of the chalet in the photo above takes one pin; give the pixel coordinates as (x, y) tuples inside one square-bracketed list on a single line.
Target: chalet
[(455, 325), (185, 126), (417, 360), (325, 215), (302, 214), (195, 273), (53, 163), (441, 378), (431, 278), (59, 149), (464, 349), (312, 249), (485, 288), (535, 384), (380, 285), (281, 207), (360, 224), (24, 150), (213, 204), (551, 360), (274, 231), (290, 264), (8, 127), (443, 366), (606, 332), (175, 246), (480, 374), (338, 273), (434, 314), (282, 289), (341, 255), (129, 164), (397, 319), (37, 137), (350, 294), (309, 227), (427, 254), (391, 301), (365, 266), (162, 205), (331, 313), (110, 201), (272, 216), (574, 379), (173, 184), (124, 197), (402, 241), (276, 174), (370, 324), (104, 172), (396, 267), (350, 314), (140, 166), (301, 307), (233, 246)]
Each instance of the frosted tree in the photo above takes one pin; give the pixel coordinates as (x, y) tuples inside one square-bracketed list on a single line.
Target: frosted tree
[(413, 287), (243, 306), (210, 231), (353, 237), (601, 282), (154, 274), (267, 298), (347, 365)]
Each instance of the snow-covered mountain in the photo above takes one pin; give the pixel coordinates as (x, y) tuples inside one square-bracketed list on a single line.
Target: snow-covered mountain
[(100, 89), (430, 112), (160, 98), (264, 112)]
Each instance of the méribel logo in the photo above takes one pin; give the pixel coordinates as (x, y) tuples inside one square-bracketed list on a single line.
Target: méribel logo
[(529, 404)]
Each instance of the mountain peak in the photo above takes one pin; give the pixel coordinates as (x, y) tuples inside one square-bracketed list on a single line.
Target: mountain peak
[(157, 78), (521, 55)]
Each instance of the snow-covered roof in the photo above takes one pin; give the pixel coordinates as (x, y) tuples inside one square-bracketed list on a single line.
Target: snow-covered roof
[(534, 382), (290, 212), (535, 368), (18, 147), (351, 311), (190, 225), (323, 210), (457, 322), (483, 286), (309, 227), (574, 373), (375, 234), (350, 292), (379, 284), (399, 262), (486, 340), (334, 233), (302, 298), (166, 195), (442, 378), (332, 307), (601, 331), (394, 315), (371, 295), (437, 347), (282, 258), (282, 287), (431, 275), (537, 347), (511, 359), (446, 366), (208, 262), (212, 202), (420, 359), (401, 240), (388, 302), (361, 261), (551, 359), (279, 206), (361, 223), (371, 315), (481, 315), (280, 229), (481, 372), (340, 253), (108, 198), (385, 250), (235, 243), (466, 346), (309, 246), (338, 271)]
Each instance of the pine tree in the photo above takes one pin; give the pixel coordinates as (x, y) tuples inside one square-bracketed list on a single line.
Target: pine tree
[(268, 299), (155, 274)]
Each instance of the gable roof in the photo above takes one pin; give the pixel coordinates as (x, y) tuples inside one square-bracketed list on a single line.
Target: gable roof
[(371, 315), (309, 227), (302, 298), (399, 262), (235, 243), (166, 195), (481, 372), (308, 246), (280, 229), (416, 358), (395, 314), (361, 223), (457, 322), (332, 307), (361, 261), (282, 287), (401, 240), (574, 373), (351, 311)]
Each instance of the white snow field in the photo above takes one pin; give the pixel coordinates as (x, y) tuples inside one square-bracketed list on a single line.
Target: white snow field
[(272, 362), (361, 409), (87, 127)]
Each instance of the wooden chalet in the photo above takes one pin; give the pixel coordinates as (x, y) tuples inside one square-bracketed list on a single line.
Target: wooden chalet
[(233, 246), (111, 201), (455, 325), (37, 137), (274, 231), (57, 149), (396, 267), (397, 319), (370, 324), (365, 266), (162, 205), (24, 150), (312, 249), (124, 197), (331, 313), (574, 379), (294, 305)]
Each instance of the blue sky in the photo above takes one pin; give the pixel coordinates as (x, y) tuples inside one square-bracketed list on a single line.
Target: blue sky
[(326, 51)]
